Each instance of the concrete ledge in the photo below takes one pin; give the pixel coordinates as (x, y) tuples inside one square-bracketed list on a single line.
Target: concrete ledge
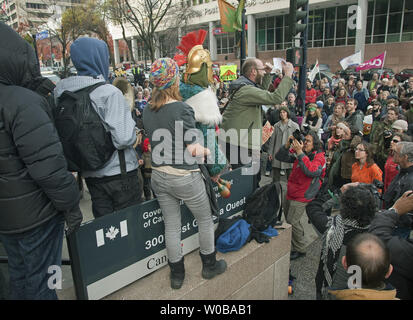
[(257, 271)]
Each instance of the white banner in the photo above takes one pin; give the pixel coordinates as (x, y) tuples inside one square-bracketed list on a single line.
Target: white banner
[(314, 72), (352, 60)]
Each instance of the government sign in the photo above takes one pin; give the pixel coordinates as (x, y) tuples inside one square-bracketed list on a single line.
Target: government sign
[(115, 250)]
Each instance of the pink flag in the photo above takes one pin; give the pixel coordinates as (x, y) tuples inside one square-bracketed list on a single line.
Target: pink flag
[(376, 62)]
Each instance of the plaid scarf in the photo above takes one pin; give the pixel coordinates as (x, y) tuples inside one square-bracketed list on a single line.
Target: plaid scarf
[(339, 230)]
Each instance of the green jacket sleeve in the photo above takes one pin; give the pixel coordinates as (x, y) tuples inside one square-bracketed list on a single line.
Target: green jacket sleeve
[(250, 95)]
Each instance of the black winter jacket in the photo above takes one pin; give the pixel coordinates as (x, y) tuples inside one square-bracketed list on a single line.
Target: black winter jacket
[(401, 252), (34, 182), (401, 183)]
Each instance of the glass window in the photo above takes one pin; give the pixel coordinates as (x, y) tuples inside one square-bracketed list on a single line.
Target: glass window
[(318, 31), (279, 36), (351, 41), (286, 21), (270, 36), (279, 21), (318, 43), (340, 42), (370, 8), (380, 25), (395, 21), (319, 15), (330, 14), (381, 6), (396, 6), (261, 40), (369, 26), (270, 23), (261, 24), (351, 33), (329, 43), (408, 5), (310, 32), (378, 39), (408, 22), (329, 30), (341, 29), (342, 12)]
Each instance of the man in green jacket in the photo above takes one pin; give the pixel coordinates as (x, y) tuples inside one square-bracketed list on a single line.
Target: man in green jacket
[(242, 119)]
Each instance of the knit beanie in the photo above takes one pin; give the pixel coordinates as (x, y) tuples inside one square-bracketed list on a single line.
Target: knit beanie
[(164, 72)]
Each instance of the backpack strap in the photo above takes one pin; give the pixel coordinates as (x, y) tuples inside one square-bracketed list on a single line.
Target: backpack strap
[(122, 161), (232, 96)]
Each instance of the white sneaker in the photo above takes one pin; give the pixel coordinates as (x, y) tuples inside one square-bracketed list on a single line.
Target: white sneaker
[(267, 173), (282, 172)]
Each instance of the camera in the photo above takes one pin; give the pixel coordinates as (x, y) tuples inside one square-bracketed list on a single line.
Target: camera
[(387, 133), (297, 136)]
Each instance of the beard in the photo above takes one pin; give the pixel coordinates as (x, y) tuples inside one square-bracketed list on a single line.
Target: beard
[(258, 79)]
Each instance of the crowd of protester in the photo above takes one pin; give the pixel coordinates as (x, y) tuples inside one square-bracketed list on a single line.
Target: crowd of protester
[(347, 156)]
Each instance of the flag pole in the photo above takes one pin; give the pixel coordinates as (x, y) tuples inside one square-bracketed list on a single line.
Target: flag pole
[(242, 41), (384, 59)]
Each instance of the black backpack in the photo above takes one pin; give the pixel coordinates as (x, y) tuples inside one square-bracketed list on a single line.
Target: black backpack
[(263, 207), (86, 143)]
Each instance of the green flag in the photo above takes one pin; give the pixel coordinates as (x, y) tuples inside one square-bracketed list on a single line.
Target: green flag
[(231, 18)]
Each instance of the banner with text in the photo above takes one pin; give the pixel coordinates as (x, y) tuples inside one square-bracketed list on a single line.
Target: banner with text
[(115, 250), (375, 63)]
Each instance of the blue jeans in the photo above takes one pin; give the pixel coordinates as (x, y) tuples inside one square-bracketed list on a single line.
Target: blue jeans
[(30, 255)]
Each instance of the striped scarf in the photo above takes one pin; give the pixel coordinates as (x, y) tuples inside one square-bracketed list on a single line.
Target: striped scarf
[(337, 230)]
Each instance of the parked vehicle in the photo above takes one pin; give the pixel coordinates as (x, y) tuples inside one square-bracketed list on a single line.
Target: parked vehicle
[(404, 75), (387, 73), (129, 75), (53, 77), (322, 67), (350, 71)]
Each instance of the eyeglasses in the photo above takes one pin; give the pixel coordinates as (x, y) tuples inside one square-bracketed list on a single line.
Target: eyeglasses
[(361, 150)]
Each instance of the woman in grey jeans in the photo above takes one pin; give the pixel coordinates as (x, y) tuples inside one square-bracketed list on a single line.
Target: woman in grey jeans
[(170, 125)]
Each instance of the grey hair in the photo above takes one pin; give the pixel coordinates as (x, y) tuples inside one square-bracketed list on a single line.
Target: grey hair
[(406, 148)]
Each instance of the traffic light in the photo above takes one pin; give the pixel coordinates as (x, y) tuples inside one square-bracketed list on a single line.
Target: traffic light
[(295, 56), (298, 13)]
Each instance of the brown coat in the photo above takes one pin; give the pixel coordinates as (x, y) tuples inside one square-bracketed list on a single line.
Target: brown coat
[(364, 294)]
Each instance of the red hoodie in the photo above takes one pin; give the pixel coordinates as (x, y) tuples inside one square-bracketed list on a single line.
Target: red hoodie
[(306, 176), (310, 95)]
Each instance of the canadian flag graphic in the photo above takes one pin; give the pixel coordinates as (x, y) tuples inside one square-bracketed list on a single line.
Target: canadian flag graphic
[(111, 233)]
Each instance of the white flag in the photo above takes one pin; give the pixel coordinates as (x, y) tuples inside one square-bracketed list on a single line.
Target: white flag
[(353, 60), (314, 72)]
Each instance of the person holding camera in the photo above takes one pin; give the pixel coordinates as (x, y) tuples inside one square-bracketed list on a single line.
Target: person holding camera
[(312, 119), (381, 134), (401, 249), (308, 171), (403, 156)]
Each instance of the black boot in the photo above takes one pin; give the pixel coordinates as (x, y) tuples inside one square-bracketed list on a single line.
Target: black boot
[(177, 273), (211, 267)]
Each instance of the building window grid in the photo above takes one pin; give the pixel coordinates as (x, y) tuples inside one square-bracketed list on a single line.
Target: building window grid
[(349, 38)]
